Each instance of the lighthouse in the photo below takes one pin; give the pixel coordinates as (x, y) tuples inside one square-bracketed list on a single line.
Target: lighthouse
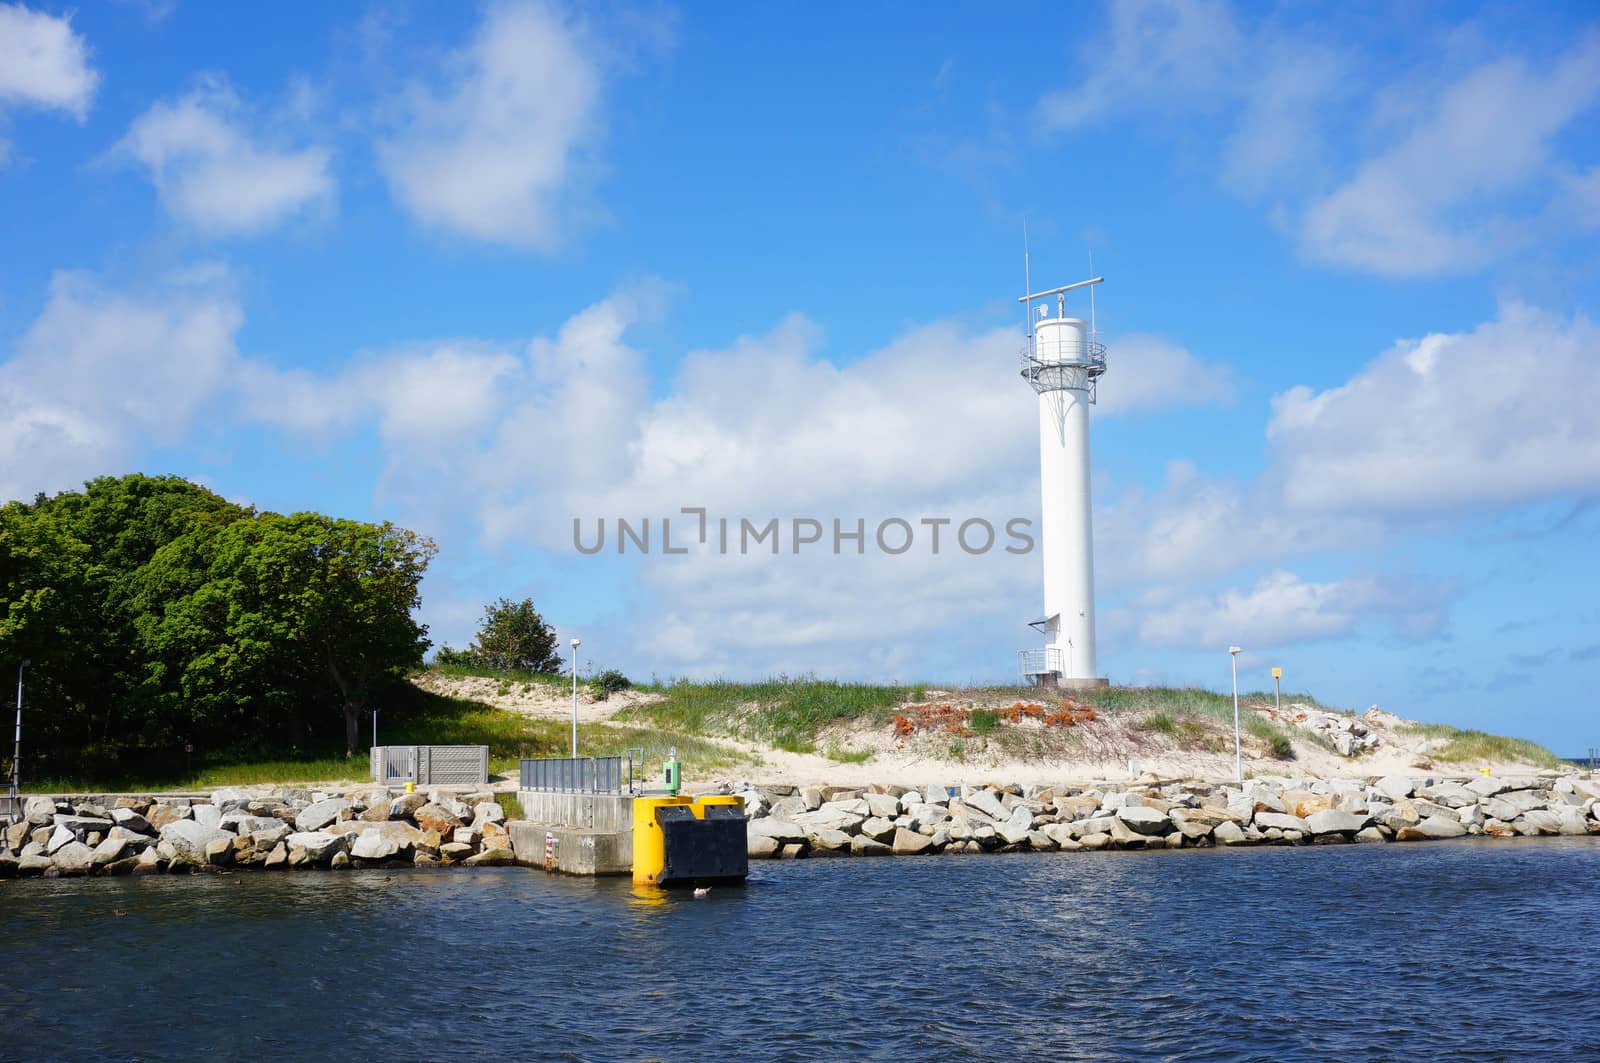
[(1063, 361)]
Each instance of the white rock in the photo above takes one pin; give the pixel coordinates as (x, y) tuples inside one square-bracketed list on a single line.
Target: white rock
[(1144, 820), (321, 813), (188, 838), (318, 846), (208, 816), (780, 830)]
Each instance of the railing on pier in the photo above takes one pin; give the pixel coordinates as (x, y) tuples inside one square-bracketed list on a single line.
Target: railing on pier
[(579, 775)]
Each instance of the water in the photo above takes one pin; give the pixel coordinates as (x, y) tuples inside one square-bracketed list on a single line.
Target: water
[(1423, 951)]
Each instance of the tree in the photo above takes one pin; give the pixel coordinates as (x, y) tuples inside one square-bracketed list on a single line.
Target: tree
[(514, 635)]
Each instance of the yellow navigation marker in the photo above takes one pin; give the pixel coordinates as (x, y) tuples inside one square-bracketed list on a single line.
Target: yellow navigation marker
[(1277, 673)]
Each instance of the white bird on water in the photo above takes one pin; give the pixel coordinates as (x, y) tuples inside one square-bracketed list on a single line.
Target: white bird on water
[(701, 891)]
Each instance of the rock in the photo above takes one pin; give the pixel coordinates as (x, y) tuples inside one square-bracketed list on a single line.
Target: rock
[(829, 840), (128, 819), (149, 861), (74, 858), (59, 837), (1098, 840), (1487, 786), (863, 846), (83, 826), (1522, 800), (1228, 833), (277, 858), (244, 823), (1498, 828), (831, 817), (340, 861), (1427, 809), (878, 829), (934, 794), (1345, 744), (319, 814), (1396, 785), (39, 811), (434, 816), (454, 852), (1095, 825), (757, 846), (1281, 821), (771, 827), (1572, 821), (882, 806), (1537, 821), (466, 836), (986, 802), (811, 798), (16, 835), (1041, 842), (219, 850), (1330, 821), (231, 799), (909, 842), (1431, 827), (840, 793), (1370, 834), (392, 840), (110, 851), (271, 836), (163, 814), (318, 846), (1451, 795), (406, 804), (491, 858), (1144, 820), (488, 812), (188, 839), (207, 815), (34, 863)]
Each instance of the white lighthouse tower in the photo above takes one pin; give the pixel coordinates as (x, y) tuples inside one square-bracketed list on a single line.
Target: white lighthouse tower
[(1062, 362)]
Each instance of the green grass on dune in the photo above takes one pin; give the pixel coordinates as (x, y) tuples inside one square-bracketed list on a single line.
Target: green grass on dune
[(1461, 745), (783, 712)]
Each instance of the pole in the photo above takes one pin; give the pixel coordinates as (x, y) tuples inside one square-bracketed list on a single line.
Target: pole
[(1238, 756), (574, 699), (1277, 691), (374, 728), (16, 754)]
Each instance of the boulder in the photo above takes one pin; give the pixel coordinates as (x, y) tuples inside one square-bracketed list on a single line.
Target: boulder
[(231, 799), (1427, 809), (1303, 803), (935, 794), (756, 846), (829, 840), (220, 850), (864, 846), (491, 858), (74, 858), (1396, 785), (1451, 795), (1538, 821), (466, 836), (110, 851), (319, 814), (1522, 800), (1330, 821), (244, 823), (1144, 820), (15, 836), (831, 816), (128, 819), (1487, 786), (988, 803), (878, 829), (188, 838), (434, 816), (884, 806), (318, 847), (1094, 825), (277, 858), (907, 842), (1098, 840), (386, 841), (488, 812), (208, 815), (83, 826), (777, 829), (1572, 821), (163, 814), (34, 863), (406, 804), (1431, 827), (455, 852), (271, 836), (1280, 821), (39, 811), (59, 837)]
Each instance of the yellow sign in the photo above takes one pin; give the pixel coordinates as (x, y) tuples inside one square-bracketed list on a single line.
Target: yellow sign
[(1277, 673)]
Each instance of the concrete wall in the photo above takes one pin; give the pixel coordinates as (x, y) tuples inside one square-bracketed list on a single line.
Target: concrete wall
[(577, 852), (596, 812)]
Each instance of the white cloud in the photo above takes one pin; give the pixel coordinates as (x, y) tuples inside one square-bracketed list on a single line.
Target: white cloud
[(44, 65), (1467, 166), (1497, 416), (1432, 202), (1281, 609), (489, 151), (215, 173), (102, 376)]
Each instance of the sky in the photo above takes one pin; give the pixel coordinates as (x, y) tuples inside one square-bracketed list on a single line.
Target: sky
[(499, 271)]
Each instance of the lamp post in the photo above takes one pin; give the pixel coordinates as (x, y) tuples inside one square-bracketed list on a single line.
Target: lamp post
[(16, 753), (574, 699), (1238, 757)]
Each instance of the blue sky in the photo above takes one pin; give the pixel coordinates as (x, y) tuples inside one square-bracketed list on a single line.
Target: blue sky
[(486, 269)]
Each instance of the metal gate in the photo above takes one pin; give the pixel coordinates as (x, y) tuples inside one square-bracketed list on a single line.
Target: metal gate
[(400, 763), (431, 765)]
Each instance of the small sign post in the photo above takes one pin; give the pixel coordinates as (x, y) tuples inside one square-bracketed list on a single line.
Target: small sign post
[(1277, 694)]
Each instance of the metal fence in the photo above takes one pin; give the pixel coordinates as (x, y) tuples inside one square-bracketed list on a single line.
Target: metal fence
[(431, 765), (587, 775), (10, 805)]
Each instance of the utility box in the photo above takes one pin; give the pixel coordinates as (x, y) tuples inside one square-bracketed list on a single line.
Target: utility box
[(431, 765)]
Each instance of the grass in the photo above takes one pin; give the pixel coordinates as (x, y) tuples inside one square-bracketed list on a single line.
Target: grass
[(784, 712), (1180, 712), (983, 721), (511, 806), (848, 756), (1463, 745)]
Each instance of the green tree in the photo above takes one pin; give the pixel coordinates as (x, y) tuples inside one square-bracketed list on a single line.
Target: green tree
[(514, 635), (293, 609)]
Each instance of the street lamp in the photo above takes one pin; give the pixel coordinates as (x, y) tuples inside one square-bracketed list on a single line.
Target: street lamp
[(1238, 758), (16, 754), (574, 699)]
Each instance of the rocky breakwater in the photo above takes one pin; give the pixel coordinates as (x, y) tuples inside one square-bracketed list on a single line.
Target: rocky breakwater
[(237, 829), (788, 822)]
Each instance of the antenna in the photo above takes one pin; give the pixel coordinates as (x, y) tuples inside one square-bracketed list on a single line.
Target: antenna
[(1027, 279), (1094, 333)]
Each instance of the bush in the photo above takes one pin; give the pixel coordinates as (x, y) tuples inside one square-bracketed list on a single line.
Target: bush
[(608, 683), (515, 637), (457, 658), (1282, 748), (983, 722)]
